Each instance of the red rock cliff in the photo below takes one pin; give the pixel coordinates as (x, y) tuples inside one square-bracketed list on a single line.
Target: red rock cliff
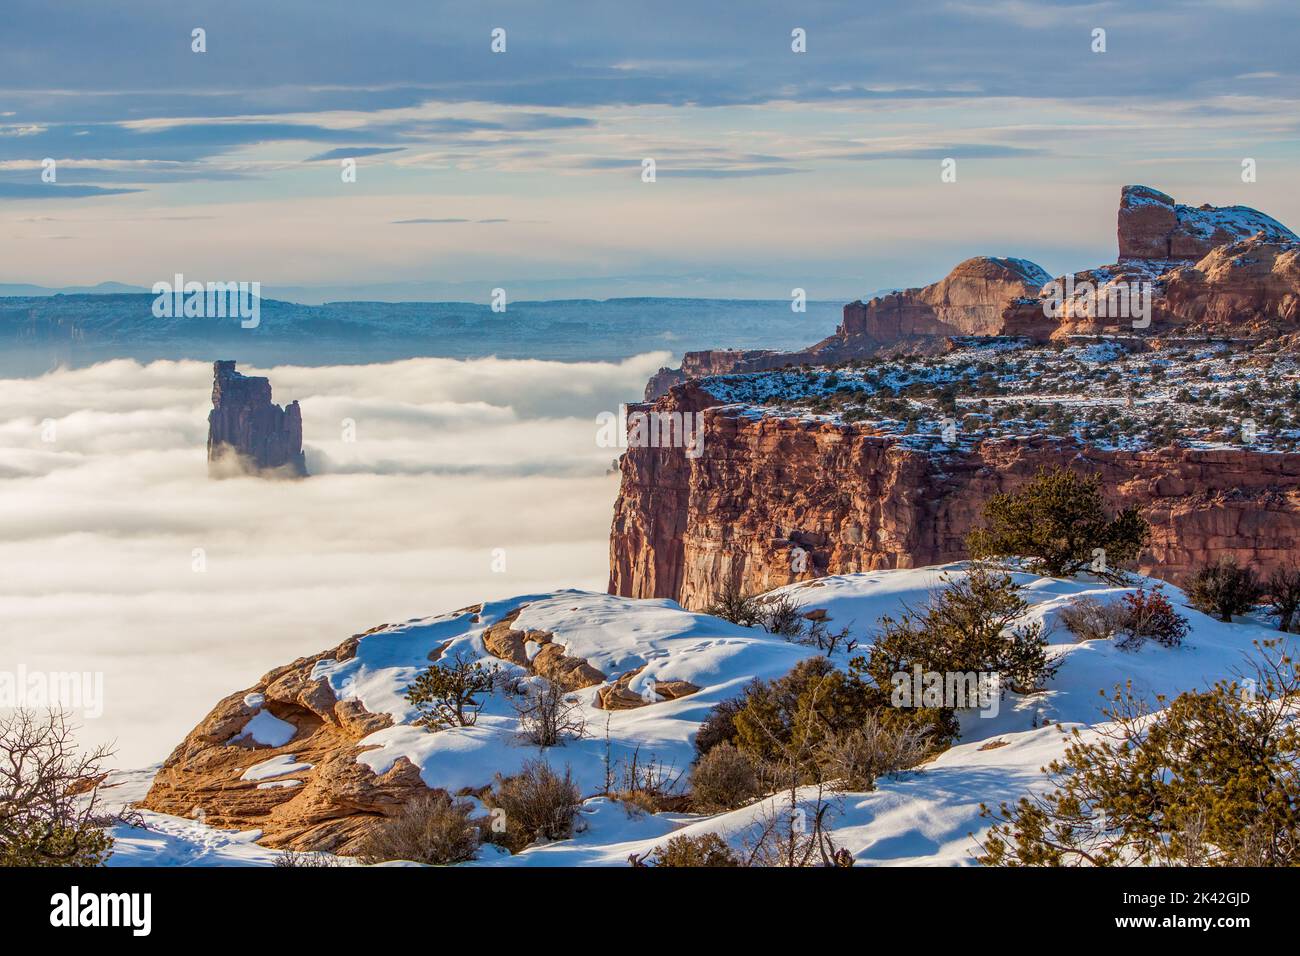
[(857, 502)]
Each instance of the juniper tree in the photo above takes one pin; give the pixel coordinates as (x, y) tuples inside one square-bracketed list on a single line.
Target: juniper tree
[(1058, 522), (968, 626), (451, 693)]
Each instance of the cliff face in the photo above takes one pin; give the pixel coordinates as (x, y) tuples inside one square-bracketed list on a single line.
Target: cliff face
[(244, 426), (857, 501)]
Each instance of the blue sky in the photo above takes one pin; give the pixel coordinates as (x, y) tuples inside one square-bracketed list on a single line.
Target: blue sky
[(775, 169)]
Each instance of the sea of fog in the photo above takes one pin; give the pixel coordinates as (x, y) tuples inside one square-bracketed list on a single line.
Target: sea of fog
[(436, 483)]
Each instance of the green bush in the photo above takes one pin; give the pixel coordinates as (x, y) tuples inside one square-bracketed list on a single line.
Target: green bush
[(450, 693), (969, 626), (1058, 523), (1214, 780), (708, 849)]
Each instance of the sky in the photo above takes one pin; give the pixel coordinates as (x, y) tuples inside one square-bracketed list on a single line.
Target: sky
[(774, 169)]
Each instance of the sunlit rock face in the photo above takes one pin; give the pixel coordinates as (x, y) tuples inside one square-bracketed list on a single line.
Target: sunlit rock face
[(1153, 226)]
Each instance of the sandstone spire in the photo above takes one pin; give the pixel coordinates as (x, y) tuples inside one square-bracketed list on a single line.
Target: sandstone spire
[(245, 428)]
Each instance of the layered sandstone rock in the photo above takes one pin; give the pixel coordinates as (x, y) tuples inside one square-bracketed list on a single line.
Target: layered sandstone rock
[(970, 300), (335, 800), (247, 432), (856, 501), (1252, 286), (550, 661)]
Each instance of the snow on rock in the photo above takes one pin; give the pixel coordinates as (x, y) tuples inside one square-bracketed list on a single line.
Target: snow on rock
[(277, 766), (613, 634), (266, 729)]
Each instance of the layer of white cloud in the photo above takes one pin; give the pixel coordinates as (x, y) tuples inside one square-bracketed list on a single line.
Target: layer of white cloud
[(99, 528)]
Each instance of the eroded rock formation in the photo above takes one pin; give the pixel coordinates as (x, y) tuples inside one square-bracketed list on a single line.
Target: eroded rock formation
[(1153, 226), (333, 799), (247, 432)]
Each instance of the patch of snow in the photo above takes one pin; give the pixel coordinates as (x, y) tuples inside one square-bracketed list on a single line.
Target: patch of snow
[(267, 729), (277, 766)]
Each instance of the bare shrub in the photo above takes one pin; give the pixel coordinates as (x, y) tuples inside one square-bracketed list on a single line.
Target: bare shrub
[(650, 783), (732, 604), (1284, 595), (724, 779), (827, 641), (432, 828), (537, 803), (781, 615), (858, 756), (1091, 620), (49, 806), (550, 715), (788, 835), (1148, 616), (1223, 589)]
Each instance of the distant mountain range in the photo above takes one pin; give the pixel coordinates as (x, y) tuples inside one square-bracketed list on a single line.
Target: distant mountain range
[(710, 285), (39, 332), (104, 288)]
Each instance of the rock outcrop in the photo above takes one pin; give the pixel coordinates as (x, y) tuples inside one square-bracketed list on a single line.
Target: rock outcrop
[(851, 500), (969, 300), (318, 752), (249, 433), (1213, 269), (328, 800), (1153, 226)]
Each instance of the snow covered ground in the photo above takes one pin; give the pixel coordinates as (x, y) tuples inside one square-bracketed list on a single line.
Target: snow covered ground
[(928, 816), (1108, 393)]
